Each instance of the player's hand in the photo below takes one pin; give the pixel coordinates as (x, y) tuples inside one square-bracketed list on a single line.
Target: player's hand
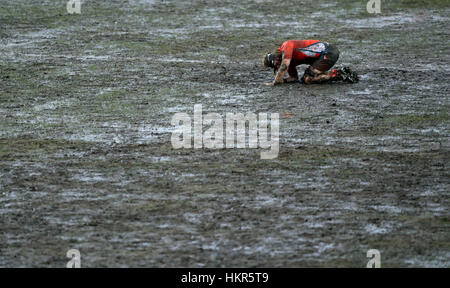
[(269, 84)]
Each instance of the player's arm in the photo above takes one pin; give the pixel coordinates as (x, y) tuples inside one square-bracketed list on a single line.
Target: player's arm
[(281, 72)]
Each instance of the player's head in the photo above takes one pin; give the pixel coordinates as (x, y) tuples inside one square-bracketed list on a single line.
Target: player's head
[(269, 60), (272, 60)]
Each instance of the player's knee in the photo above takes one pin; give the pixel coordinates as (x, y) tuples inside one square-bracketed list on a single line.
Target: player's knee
[(307, 80), (316, 72)]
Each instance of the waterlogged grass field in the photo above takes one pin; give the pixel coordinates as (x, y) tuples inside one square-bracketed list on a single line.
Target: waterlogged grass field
[(86, 160)]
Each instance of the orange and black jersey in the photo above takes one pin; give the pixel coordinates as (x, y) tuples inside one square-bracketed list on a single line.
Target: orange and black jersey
[(302, 52)]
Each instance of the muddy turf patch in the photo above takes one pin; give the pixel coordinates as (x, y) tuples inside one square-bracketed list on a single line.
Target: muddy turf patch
[(86, 160)]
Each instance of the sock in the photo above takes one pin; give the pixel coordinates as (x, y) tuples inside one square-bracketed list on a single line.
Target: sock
[(334, 74)]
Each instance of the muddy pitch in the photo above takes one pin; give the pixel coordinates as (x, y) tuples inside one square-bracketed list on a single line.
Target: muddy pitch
[(86, 160)]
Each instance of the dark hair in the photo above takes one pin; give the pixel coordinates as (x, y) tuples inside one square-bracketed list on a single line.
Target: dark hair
[(268, 63)]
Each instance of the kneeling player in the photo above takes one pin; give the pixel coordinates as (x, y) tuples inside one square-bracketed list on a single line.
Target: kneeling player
[(321, 56)]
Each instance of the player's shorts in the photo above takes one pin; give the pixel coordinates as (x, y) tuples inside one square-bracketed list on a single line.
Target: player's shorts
[(327, 59)]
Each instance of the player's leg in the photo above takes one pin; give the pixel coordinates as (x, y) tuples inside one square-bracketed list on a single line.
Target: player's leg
[(313, 76), (319, 71)]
